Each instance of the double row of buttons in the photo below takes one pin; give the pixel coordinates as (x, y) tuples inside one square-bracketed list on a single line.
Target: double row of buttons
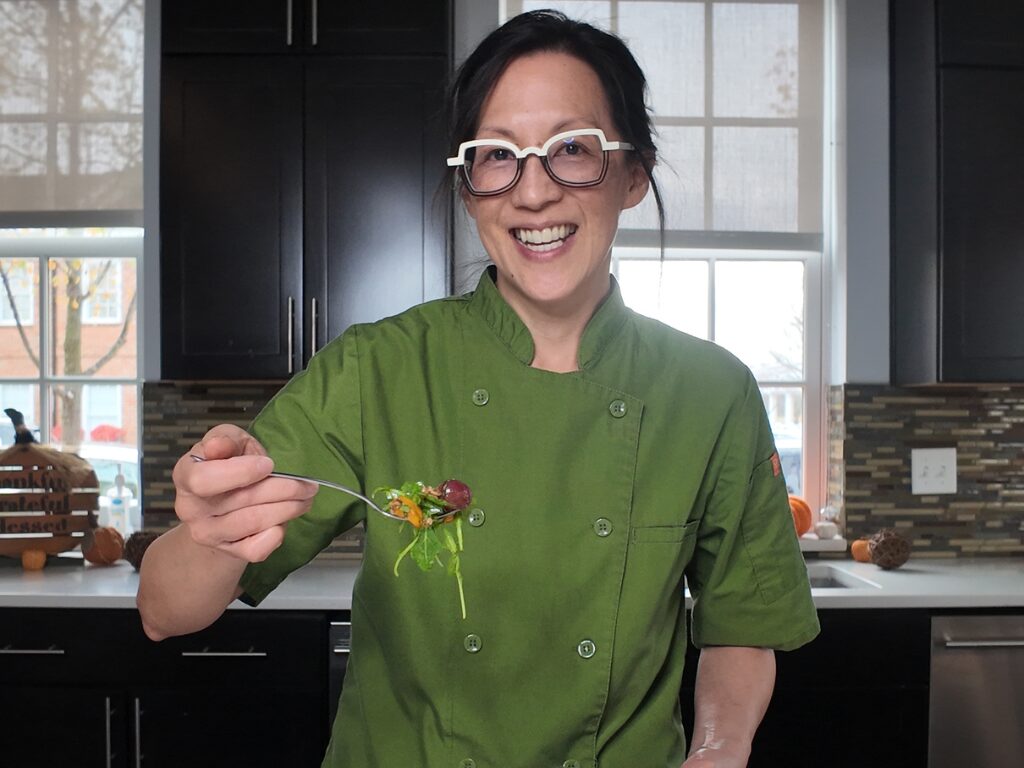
[(473, 643), (616, 408), (469, 762)]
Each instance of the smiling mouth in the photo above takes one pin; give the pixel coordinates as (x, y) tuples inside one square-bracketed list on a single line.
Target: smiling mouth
[(547, 239)]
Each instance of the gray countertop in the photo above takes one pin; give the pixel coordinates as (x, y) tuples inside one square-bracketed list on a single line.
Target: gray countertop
[(921, 583)]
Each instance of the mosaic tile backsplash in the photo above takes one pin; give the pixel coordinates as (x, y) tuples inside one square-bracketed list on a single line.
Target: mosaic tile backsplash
[(872, 431), (175, 415)]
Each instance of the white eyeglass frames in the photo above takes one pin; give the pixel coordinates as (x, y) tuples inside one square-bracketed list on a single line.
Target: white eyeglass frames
[(576, 158)]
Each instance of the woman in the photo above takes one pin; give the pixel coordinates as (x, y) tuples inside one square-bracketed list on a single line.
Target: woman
[(608, 454)]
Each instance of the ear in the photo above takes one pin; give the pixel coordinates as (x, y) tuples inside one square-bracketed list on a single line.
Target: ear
[(638, 184)]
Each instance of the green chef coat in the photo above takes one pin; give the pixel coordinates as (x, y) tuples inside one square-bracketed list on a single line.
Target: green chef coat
[(596, 491)]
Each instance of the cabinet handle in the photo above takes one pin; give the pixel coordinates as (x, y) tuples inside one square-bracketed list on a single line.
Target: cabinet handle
[(341, 650), (985, 643), (315, 313), (291, 335), (109, 756), (51, 651), (288, 22), (138, 733), (225, 654), (316, 22)]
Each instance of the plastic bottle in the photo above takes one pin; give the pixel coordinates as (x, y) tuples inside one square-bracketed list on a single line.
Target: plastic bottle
[(120, 499)]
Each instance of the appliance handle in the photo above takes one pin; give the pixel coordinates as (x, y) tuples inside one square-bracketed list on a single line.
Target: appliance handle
[(316, 23), (288, 23), (291, 335), (984, 643), (138, 733), (51, 651), (224, 654)]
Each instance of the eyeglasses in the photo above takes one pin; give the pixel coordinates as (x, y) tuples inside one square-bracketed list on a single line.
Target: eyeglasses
[(573, 158)]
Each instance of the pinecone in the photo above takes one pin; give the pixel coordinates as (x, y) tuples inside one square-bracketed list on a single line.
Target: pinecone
[(136, 546), (888, 549)]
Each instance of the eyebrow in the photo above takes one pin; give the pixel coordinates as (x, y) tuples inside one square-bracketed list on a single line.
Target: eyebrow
[(563, 125)]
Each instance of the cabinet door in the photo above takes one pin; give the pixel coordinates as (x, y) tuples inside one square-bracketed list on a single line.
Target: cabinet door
[(982, 224), (242, 724), (231, 26), (384, 27), (43, 726), (231, 217), (985, 32), (375, 236)]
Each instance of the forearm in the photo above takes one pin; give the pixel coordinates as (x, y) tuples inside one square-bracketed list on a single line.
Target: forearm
[(185, 586), (734, 686)]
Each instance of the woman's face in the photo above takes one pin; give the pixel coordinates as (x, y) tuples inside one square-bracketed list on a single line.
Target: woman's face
[(567, 268)]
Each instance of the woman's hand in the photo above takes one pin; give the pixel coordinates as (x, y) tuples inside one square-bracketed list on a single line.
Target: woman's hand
[(228, 503)]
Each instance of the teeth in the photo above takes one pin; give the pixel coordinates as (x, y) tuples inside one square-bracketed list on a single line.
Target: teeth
[(547, 236)]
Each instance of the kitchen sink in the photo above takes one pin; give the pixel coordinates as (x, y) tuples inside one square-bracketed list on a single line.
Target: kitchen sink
[(824, 576)]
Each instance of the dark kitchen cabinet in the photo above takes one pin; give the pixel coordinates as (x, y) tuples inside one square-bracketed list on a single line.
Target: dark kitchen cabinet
[(298, 196), (86, 687), (318, 26), (957, 178), (862, 684)]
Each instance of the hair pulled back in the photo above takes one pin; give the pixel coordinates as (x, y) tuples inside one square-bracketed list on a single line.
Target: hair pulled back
[(622, 79)]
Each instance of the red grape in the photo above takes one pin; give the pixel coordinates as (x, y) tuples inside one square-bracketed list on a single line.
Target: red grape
[(456, 493)]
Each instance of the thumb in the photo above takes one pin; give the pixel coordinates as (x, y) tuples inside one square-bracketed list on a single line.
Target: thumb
[(227, 440)]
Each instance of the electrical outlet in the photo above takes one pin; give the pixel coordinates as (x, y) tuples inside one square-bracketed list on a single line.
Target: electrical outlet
[(932, 470)]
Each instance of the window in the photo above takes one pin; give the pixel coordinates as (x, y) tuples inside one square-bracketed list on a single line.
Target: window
[(101, 282), (70, 215), (18, 279), (737, 94)]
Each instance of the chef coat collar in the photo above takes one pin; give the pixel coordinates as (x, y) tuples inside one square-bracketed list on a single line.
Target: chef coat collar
[(602, 328)]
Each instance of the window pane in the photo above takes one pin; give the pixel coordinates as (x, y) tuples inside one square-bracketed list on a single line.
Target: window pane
[(98, 422), (23, 398), (755, 179), (672, 291), (755, 59), (19, 318), (759, 316), (785, 409), (75, 69), (591, 11), (680, 177), (668, 42), (93, 311)]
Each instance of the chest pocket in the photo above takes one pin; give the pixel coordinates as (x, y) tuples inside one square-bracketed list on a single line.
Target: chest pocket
[(665, 534)]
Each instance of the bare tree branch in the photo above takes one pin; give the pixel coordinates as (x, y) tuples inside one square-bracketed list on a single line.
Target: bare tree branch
[(94, 284), (118, 342), (17, 318)]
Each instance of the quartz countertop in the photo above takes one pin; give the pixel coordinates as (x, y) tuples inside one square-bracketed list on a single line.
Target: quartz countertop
[(921, 583)]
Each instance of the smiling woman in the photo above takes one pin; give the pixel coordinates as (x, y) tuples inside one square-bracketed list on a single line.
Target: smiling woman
[(610, 455)]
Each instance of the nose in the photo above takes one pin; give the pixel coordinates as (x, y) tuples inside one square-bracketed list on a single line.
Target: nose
[(535, 188)]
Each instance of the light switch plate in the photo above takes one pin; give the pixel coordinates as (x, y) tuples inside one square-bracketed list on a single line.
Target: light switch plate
[(932, 470)]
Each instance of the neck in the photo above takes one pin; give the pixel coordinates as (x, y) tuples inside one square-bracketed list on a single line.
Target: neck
[(556, 329)]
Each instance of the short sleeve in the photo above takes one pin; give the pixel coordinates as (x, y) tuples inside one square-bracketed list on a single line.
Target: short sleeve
[(748, 577), (313, 426)]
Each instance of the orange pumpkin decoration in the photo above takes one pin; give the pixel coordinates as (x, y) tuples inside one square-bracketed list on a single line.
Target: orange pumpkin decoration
[(106, 548), (861, 551), (801, 514), (33, 559)]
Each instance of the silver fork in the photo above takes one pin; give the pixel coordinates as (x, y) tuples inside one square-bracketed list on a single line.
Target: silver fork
[(339, 487)]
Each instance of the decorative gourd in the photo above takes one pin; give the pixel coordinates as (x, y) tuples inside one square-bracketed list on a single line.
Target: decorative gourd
[(860, 551), (105, 548), (801, 514), (136, 546), (33, 559), (889, 549)]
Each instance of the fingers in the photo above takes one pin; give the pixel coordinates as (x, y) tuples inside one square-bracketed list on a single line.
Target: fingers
[(246, 522), (256, 548), (214, 477), (226, 440)]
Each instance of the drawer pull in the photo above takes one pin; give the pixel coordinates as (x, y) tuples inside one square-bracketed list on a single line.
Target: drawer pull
[(51, 651), (341, 649), (985, 643), (250, 654)]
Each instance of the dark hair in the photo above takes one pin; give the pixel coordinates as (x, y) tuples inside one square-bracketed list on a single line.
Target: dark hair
[(538, 31)]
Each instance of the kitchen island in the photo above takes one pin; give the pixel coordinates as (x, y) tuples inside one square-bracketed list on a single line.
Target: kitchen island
[(994, 582)]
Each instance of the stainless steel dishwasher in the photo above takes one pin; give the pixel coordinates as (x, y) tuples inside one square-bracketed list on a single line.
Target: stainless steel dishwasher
[(976, 710)]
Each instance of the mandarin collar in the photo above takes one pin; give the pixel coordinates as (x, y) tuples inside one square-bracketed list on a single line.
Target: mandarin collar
[(488, 303)]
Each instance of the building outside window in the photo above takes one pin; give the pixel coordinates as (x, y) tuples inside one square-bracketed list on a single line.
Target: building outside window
[(70, 225), (738, 96)]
